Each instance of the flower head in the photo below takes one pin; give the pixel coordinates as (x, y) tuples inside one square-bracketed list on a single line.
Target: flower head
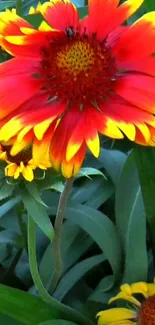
[(21, 163), (142, 313), (75, 78)]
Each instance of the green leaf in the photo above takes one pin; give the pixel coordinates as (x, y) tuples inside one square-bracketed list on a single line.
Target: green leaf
[(33, 190), (51, 180), (9, 205), (7, 4), (130, 216), (74, 244), (69, 233), (58, 186), (88, 171), (5, 190), (8, 320), (12, 238), (57, 322), (25, 308), (4, 252), (2, 164), (102, 195), (79, 247), (38, 213), (75, 274), (100, 228), (35, 19), (83, 11), (145, 159), (93, 192), (149, 5), (113, 161), (102, 293)]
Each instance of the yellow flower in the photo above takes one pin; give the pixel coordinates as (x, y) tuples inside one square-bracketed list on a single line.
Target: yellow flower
[(142, 313), (22, 163), (15, 170)]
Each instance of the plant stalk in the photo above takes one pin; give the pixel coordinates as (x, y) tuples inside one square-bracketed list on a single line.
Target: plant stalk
[(57, 232), (66, 312)]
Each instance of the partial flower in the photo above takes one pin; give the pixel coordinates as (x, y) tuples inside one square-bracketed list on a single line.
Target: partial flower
[(142, 311), (35, 10), (75, 78), (22, 163)]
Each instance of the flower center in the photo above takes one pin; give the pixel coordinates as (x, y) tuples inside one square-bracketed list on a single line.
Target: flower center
[(146, 314), (78, 69), (76, 58), (23, 156)]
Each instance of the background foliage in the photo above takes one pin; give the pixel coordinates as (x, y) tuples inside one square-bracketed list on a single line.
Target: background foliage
[(101, 247)]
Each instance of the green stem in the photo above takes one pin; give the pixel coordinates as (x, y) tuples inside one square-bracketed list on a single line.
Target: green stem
[(145, 160), (57, 233), (65, 311), (19, 6)]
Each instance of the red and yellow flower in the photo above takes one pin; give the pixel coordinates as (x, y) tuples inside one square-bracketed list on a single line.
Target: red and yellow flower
[(142, 313), (72, 79)]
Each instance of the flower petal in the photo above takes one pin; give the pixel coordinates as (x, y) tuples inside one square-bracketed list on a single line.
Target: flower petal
[(10, 23), (17, 66), (123, 296), (139, 287), (72, 167), (27, 173), (60, 14), (104, 16), (61, 136), (59, 144), (146, 66), (29, 45), (18, 146), (131, 46), (151, 289), (86, 130), (114, 315), (137, 89), (124, 117), (11, 169), (100, 12), (10, 86), (115, 35)]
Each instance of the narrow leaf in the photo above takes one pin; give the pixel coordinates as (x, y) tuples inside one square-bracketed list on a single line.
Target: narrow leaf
[(22, 306), (38, 213), (9, 205), (130, 216), (145, 159), (113, 161), (5, 190), (88, 171), (57, 322), (100, 228), (7, 4), (75, 274)]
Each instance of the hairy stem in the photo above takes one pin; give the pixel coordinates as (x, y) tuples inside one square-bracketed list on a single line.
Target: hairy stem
[(57, 228)]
